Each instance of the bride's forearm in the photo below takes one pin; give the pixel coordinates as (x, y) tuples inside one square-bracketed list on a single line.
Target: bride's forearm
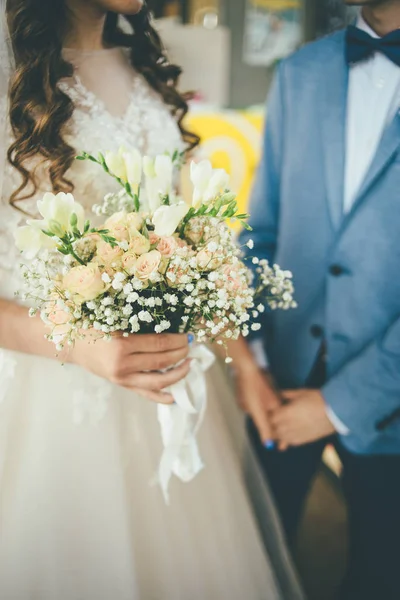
[(21, 333)]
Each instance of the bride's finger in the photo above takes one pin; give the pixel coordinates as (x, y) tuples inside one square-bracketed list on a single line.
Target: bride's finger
[(158, 397), (157, 381)]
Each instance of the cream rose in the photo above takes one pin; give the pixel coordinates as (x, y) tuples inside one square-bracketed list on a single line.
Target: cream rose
[(129, 262), (108, 256), (84, 282), (167, 246), (134, 222), (118, 227), (123, 226), (139, 244), (147, 264)]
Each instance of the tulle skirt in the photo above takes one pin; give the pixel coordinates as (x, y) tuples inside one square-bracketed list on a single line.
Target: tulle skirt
[(82, 519)]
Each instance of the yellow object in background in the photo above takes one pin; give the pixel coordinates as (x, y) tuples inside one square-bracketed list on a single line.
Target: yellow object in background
[(232, 140)]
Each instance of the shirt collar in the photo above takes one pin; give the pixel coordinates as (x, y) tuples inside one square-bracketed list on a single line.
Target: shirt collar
[(363, 25)]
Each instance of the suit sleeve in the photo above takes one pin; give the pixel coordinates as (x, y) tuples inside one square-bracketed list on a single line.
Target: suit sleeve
[(365, 393)]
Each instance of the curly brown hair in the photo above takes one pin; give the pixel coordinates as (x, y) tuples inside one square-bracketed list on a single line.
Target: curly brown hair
[(39, 110)]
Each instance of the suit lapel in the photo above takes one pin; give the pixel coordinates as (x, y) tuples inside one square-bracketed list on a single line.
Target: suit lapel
[(333, 119), (387, 149)]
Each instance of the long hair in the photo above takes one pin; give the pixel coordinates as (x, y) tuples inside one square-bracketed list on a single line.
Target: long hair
[(39, 110)]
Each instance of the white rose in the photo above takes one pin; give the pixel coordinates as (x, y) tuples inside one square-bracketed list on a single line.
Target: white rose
[(167, 218), (147, 264)]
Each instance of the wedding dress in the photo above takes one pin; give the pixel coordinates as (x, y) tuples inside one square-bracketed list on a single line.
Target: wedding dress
[(79, 516)]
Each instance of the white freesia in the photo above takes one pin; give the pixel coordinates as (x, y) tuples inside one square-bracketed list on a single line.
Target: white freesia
[(207, 182), (167, 218), (133, 167), (116, 164), (58, 209), (30, 240), (159, 178)]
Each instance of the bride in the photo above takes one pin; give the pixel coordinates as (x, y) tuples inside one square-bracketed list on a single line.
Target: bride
[(79, 444)]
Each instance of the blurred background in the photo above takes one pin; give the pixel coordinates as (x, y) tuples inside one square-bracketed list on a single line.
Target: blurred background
[(228, 50)]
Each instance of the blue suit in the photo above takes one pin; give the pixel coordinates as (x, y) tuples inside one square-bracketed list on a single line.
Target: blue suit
[(346, 269), (346, 273)]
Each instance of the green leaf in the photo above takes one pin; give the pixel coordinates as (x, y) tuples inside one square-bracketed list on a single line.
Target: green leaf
[(136, 202), (247, 226), (87, 226), (80, 157), (63, 250), (203, 209), (73, 220)]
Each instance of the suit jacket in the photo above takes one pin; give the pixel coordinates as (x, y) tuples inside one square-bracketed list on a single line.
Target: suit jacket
[(346, 268)]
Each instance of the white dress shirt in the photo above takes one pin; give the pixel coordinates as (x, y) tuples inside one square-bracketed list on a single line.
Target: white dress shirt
[(372, 101)]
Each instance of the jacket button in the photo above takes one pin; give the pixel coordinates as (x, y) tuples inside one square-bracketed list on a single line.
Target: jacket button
[(316, 331), (336, 270)]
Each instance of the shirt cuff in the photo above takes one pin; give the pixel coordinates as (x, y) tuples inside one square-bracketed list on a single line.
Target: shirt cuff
[(260, 356), (340, 427)]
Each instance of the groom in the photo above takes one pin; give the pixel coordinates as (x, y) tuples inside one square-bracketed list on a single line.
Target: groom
[(326, 205)]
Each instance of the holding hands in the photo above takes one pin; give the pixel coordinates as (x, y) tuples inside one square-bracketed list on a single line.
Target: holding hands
[(283, 419)]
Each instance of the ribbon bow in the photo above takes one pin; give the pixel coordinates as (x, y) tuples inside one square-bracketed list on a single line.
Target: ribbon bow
[(181, 421), (360, 45)]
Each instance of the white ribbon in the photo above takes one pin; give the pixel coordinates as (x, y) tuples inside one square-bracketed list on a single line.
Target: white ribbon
[(181, 421)]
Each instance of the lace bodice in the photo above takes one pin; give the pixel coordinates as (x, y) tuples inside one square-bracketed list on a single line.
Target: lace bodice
[(114, 107)]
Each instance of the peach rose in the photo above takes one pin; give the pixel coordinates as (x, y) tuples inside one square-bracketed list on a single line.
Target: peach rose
[(108, 256), (59, 318), (153, 238), (84, 282), (234, 281), (139, 244), (129, 262), (147, 264), (208, 260), (167, 246)]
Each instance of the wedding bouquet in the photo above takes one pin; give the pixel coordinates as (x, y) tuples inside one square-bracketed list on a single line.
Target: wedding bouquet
[(148, 262)]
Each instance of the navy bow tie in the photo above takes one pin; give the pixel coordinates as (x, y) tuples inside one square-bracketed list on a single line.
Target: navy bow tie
[(361, 46)]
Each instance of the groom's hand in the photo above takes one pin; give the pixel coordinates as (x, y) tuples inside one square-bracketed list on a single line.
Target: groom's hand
[(301, 419)]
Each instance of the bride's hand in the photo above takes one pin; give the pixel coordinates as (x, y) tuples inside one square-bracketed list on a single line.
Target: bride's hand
[(257, 397), (132, 362)]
